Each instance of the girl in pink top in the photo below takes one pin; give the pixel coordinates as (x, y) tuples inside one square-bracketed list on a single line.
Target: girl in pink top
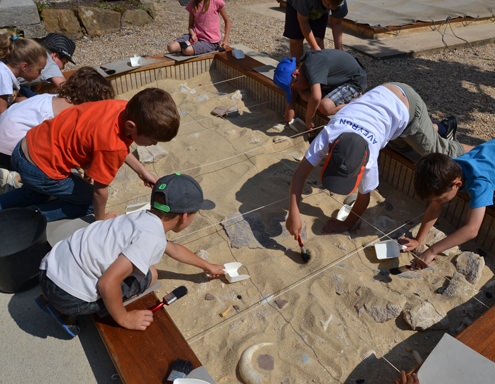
[(204, 29)]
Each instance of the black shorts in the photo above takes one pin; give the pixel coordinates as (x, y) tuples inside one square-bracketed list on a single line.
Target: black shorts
[(292, 30), (69, 305)]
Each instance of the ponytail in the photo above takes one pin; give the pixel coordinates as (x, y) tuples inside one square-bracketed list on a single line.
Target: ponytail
[(15, 50)]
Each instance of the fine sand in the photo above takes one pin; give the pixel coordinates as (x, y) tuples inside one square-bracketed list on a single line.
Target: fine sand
[(318, 321)]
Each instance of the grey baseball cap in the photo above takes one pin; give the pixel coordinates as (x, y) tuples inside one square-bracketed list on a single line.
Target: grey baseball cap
[(182, 194)]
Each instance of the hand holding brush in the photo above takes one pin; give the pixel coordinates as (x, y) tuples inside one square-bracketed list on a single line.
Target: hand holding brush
[(169, 298), (305, 254)]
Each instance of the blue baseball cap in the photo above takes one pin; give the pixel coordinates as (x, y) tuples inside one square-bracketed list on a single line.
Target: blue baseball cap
[(283, 76)]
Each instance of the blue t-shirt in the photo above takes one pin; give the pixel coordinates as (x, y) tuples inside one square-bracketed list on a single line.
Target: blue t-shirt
[(478, 169)]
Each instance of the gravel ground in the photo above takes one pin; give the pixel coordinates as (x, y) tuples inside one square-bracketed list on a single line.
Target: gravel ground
[(459, 82)]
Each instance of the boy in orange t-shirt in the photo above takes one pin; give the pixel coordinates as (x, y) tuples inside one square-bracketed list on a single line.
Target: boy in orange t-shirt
[(93, 136)]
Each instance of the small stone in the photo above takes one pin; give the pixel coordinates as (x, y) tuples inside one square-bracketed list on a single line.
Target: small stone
[(266, 362), (278, 127), (305, 358), (280, 139), (280, 303), (440, 290), (209, 297), (203, 254)]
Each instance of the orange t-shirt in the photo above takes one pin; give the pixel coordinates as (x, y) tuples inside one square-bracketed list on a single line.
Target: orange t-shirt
[(87, 136)]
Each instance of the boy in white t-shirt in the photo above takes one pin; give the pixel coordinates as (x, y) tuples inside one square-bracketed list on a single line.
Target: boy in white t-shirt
[(100, 266), (351, 143)]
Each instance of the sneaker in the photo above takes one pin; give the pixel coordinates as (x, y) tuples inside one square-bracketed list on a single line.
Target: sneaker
[(9, 180), (451, 124)]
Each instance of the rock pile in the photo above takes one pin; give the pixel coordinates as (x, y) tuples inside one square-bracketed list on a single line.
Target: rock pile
[(74, 23)]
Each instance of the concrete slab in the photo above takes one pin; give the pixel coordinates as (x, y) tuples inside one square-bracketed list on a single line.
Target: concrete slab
[(412, 43), (18, 12), (35, 349), (407, 42)]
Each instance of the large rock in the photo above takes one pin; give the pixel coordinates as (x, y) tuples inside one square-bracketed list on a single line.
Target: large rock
[(470, 265), (99, 21), (62, 21), (381, 305), (136, 17), (33, 31), (18, 12), (422, 316), (459, 287)]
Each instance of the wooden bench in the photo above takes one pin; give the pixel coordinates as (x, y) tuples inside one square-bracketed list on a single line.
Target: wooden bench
[(145, 356)]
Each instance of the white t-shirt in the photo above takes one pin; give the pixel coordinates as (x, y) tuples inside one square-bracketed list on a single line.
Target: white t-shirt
[(77, 263), (378, 116), (21, 117), (8, 83)]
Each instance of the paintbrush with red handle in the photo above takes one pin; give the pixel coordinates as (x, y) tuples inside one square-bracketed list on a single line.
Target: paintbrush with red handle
[(305, 254)]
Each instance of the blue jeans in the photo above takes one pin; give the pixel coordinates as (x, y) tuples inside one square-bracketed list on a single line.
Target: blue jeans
[(73, 196), (27, 92)]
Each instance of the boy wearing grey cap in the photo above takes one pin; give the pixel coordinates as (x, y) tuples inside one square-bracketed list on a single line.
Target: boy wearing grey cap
[(110, 261)]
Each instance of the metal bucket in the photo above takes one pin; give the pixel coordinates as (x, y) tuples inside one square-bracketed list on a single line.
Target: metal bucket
[(22, 246)]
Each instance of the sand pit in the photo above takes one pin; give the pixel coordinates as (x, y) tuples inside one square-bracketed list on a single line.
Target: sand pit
[(337, 318)]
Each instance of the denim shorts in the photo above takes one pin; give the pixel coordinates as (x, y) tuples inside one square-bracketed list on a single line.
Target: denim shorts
[(69, 305), (343, 94), (201, 46)]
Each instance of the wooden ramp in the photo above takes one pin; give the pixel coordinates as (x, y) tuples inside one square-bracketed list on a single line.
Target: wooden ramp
[(145, 356)]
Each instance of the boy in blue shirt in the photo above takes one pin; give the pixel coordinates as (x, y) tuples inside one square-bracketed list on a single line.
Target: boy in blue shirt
[(438, 178)]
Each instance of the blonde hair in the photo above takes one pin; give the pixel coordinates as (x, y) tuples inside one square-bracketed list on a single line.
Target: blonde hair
[(15, 50), (206, 5)]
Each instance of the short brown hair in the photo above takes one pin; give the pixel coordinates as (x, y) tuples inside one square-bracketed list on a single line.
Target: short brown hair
[(160, 198), (15, 50), (86, 84), (155, 114), (435, 174)]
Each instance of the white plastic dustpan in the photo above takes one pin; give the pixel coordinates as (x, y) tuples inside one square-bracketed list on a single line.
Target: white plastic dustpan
[(232, 273), (190, 381), (136, 61), (388, 249)]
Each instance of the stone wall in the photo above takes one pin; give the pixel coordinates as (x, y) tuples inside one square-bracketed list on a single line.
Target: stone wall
[(23, 16)]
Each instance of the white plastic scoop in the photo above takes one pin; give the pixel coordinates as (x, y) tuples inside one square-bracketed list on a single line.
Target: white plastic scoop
[(232, 273)]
